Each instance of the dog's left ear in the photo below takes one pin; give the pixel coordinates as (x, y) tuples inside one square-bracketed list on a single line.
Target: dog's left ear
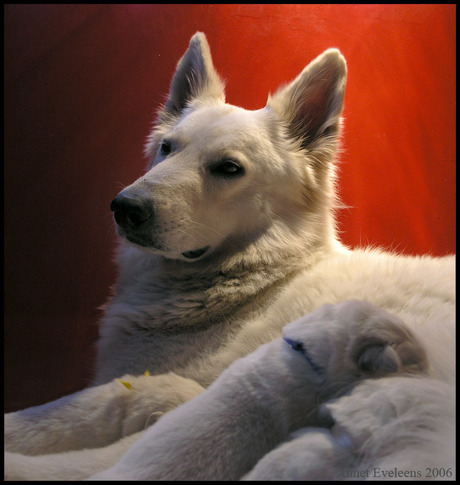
[(312, 104), (195, 77)]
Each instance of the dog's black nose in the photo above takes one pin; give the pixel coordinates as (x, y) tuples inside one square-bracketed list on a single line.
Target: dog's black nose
[(131, 212)]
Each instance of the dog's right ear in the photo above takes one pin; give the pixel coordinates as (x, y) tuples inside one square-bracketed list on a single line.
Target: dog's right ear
[(195, 77)]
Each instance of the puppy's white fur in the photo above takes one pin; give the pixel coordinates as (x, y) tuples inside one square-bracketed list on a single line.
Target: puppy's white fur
[(376, 436), (218, 263)]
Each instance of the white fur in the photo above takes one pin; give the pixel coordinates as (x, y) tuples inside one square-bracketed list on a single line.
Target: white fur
[(376, 436), (264, 396), (218, 264)]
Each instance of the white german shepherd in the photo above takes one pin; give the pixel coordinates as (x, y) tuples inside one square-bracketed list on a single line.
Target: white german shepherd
[(229, 236)]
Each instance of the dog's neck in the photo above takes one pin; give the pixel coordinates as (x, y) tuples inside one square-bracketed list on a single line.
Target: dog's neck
[(169, 294)]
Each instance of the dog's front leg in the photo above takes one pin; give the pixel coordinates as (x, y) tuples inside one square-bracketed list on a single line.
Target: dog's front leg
[(70, 465), (96, 416), (86, 419)]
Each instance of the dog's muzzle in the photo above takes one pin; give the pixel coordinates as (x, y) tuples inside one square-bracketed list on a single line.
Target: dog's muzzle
[(135, 217), (131, 213)]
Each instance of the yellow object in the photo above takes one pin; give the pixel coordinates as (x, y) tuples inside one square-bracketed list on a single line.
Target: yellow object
[(126, 384)]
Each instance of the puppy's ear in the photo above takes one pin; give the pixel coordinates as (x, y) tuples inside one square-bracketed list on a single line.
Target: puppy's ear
[(312, 104), (402, 356), (195, 77), (379, 360)]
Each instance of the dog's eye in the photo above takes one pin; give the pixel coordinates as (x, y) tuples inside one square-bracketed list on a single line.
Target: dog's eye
[(165, 148), (227, 168)]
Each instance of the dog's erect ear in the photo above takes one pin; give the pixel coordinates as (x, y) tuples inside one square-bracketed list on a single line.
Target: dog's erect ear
[(195, 77), (312, 104)]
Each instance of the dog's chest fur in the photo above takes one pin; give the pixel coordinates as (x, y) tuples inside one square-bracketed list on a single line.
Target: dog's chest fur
[(167, 318)]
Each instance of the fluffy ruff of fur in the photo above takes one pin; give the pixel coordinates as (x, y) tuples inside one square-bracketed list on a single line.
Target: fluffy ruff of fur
[(229, 236)]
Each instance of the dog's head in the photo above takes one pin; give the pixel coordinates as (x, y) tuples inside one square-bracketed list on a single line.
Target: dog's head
[(221, 178)]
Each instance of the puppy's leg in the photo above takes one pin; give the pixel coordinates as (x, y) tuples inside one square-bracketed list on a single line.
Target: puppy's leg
[(310, 454), (96, 416)]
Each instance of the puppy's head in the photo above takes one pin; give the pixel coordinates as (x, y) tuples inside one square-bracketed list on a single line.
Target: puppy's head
[(221, 178), (352, 341)]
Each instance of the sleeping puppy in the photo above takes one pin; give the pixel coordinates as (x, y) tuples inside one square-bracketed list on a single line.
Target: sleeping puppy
[(260, 399), (386, 429)]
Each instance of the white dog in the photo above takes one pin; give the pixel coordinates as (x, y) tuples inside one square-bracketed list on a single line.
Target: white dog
[(228, 236)]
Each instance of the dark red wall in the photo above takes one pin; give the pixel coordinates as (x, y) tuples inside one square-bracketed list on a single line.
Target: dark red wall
[(81, 86)]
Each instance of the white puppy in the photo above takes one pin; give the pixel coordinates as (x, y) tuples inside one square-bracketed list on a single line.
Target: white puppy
[(381, 431), (261, 398)]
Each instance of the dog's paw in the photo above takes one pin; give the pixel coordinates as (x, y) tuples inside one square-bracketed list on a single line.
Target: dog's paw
[(152, 396), (96, 416)]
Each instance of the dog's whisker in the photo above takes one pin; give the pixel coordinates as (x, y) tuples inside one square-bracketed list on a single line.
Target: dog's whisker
[(206, 226)]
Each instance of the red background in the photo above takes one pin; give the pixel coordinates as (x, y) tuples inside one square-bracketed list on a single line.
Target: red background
[(81, 86)]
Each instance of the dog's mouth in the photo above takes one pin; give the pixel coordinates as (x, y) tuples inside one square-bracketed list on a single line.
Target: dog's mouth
[(197, 253)]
